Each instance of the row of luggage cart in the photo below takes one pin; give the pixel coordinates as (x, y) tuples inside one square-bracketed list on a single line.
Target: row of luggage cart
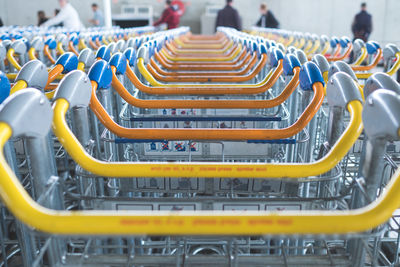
[(132, 147)]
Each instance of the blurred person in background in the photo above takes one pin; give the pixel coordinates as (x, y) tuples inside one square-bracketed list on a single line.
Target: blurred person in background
[(228, 17), (169, 16), (41, 17), (362, 24), (267, 19), (98, 17), (68, 16), (56, 11)]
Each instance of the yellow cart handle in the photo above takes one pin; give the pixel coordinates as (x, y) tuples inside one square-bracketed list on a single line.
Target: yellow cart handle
[(362, 57), (396, 65), (150, 78), (95, 222), (209, 170), (60, 48), (32, 53), (237, 51), (11, 59)]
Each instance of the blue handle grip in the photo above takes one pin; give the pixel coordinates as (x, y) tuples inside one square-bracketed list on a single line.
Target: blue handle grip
[(344, 42), (245, 44), (375, 44), (74, 39), (16, 36), (5, 87), (334, 41), (97, 36), (69, 61), (289, 63), (51, 42), (5, 37), (104, 53), (275, 55), (130, 55), (309, 75), (118, 60), (372, 47), (139, 42), (267, 44), (255, 48), (101, 73)]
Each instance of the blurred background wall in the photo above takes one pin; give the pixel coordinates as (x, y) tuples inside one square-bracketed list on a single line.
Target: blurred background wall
[(330, 17)]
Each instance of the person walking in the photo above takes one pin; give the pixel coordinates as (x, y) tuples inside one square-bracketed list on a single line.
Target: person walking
[(169, 16), (98, 17), (267, 19), (41, 17), (362, 24), (228, 17), (68, 16)]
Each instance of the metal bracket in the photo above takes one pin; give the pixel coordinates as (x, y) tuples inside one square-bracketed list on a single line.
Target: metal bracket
[(389, 52), (34, 73), (3, 51), (121, 45), (380, 81), (143, 52), (324, 39), (358, 44), (281, 47), (341, 66), (76, 88), (341, 90), (301, 56), (7, 43), (291, 50), (321, 62), (62, 38), (381, 115), (87, 57), (19, 47), (38, 44), (131, 42), (113, 47), (28, 113)]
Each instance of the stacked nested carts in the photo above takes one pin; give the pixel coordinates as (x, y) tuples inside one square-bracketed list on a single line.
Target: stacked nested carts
[(129, 147)]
